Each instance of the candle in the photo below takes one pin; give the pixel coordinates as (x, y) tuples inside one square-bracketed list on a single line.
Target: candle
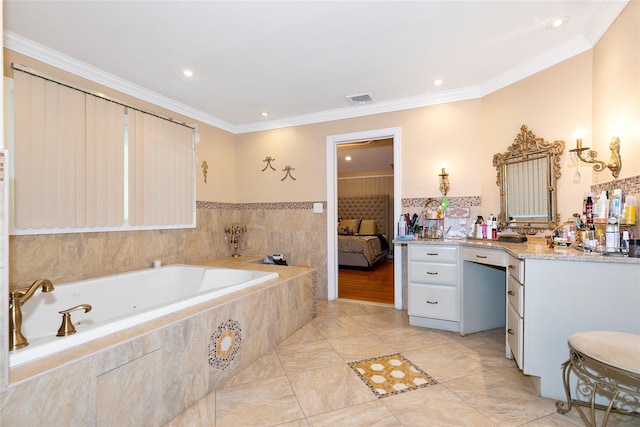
[(579, 143), (443, 172)]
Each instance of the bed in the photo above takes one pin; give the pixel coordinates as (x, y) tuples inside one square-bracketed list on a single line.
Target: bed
[(362, 230)]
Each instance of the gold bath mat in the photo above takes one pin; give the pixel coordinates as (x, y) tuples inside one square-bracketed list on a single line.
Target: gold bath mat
[(392, 374)]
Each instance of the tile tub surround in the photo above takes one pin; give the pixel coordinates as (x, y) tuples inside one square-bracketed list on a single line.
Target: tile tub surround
[(288, 228), (148, 374)]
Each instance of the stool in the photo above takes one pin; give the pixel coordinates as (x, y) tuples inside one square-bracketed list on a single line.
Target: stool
[(606, 364)]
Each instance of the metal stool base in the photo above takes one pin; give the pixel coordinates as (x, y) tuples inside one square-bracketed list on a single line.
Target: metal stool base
[(594, 378)]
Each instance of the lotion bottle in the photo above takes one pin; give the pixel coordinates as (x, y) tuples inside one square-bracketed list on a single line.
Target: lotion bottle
[(602, 208)]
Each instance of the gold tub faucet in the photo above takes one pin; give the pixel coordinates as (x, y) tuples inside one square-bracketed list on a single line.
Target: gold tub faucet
[(17, 297)]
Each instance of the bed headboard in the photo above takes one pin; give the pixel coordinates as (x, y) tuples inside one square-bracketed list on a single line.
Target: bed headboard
[(370, 207)]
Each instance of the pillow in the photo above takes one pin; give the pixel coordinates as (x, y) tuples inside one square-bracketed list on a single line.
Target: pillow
[(348, 226), (367, 226)]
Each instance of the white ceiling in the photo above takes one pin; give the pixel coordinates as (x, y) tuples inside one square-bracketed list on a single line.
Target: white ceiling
[(298, 60)]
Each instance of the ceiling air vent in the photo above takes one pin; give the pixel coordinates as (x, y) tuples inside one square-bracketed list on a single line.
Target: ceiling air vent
[(361, 99)]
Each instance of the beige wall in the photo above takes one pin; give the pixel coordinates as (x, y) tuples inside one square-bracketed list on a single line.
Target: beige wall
[(553, 104), (616, 93), (448, 133)]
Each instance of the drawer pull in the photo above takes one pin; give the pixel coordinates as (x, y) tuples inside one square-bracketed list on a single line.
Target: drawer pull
[(510, 293), (432, 302), (432, 273), (510, 331), (432, 253), (481, 256)]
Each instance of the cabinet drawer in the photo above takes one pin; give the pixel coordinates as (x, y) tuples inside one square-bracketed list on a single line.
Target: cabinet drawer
[(434, 272), (438, 302), (515, 295), (433, 253), (515, 328), (516, 268), (486, 256)]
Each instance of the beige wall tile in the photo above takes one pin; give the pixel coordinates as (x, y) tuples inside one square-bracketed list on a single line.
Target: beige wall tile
[(132, 394)]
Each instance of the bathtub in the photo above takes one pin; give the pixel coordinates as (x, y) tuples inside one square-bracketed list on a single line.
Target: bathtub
[(120, 301)]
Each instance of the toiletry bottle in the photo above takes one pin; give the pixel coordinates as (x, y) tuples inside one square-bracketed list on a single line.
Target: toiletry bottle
[(589, 210), (630, 210), (601, 211), (616, 204), (402, 226), (494, 228), (477, 228), (612, 235), (484, 230)]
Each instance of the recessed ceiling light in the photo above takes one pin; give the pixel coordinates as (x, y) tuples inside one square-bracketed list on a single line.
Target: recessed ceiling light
[(557, 23), (187, 73), (348, 158), (437, 82), (264, 114)]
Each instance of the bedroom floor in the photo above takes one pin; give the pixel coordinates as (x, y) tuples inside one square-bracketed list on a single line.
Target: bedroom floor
[(307, 380), (374, 284)]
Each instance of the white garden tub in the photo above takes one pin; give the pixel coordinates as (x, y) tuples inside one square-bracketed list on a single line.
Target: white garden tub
[(120, 301)]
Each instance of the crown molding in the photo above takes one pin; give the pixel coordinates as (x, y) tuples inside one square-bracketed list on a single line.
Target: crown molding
[(609, 11), (56, 59), (601, 21), (365, 110)]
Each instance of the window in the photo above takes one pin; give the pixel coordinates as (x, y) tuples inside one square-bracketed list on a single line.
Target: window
[(85, 163)]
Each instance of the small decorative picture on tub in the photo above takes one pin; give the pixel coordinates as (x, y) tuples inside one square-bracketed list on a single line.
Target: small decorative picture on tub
[(225, 344)]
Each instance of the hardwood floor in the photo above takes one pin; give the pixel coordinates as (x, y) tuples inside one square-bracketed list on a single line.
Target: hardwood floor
[(373, 285)]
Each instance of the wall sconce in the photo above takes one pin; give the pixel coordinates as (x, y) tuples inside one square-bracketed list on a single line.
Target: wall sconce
[(615, 162), (444, 182)]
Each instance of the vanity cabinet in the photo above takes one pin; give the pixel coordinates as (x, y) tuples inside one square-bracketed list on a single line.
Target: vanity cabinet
[(515, 308), (433, 291)]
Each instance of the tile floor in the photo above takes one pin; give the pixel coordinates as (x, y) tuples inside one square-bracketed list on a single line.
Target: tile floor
[(306, 380)]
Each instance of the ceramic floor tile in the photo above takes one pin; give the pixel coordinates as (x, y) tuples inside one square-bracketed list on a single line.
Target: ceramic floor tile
[(267, 366), (201, 413), (327, 389), (383, 321), (366, 414), (572, 419), (307, 334), (505, 396), (360, 347), (443, 362), (408, 338), (338, 326), (355, 308), (329, 309), (268, 402), (434, 406), (302, 357)]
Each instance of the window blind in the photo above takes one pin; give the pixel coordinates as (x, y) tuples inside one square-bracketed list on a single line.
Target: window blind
[(161, 171), (82, 163)]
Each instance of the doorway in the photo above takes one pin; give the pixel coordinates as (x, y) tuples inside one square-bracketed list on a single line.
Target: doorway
[(365, 192), (333, 141)]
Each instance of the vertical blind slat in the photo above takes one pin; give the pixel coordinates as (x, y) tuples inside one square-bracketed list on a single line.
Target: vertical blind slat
[(69, 162)]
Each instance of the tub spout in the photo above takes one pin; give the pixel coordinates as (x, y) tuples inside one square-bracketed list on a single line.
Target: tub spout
[(17, 297)]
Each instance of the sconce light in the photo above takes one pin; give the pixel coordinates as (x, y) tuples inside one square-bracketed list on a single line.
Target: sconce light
[(615, 162), (444, 182)]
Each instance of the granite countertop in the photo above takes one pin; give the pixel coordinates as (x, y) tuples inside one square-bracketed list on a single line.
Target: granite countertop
[(528, 250)]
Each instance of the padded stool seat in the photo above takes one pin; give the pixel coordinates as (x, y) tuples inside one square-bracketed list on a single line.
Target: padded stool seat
[(607, 368)]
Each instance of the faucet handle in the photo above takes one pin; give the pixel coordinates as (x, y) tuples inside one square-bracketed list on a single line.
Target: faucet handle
[(86, 307), (67, 328)]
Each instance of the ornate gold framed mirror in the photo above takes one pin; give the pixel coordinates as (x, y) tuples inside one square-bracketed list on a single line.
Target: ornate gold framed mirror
[(527, 174)]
